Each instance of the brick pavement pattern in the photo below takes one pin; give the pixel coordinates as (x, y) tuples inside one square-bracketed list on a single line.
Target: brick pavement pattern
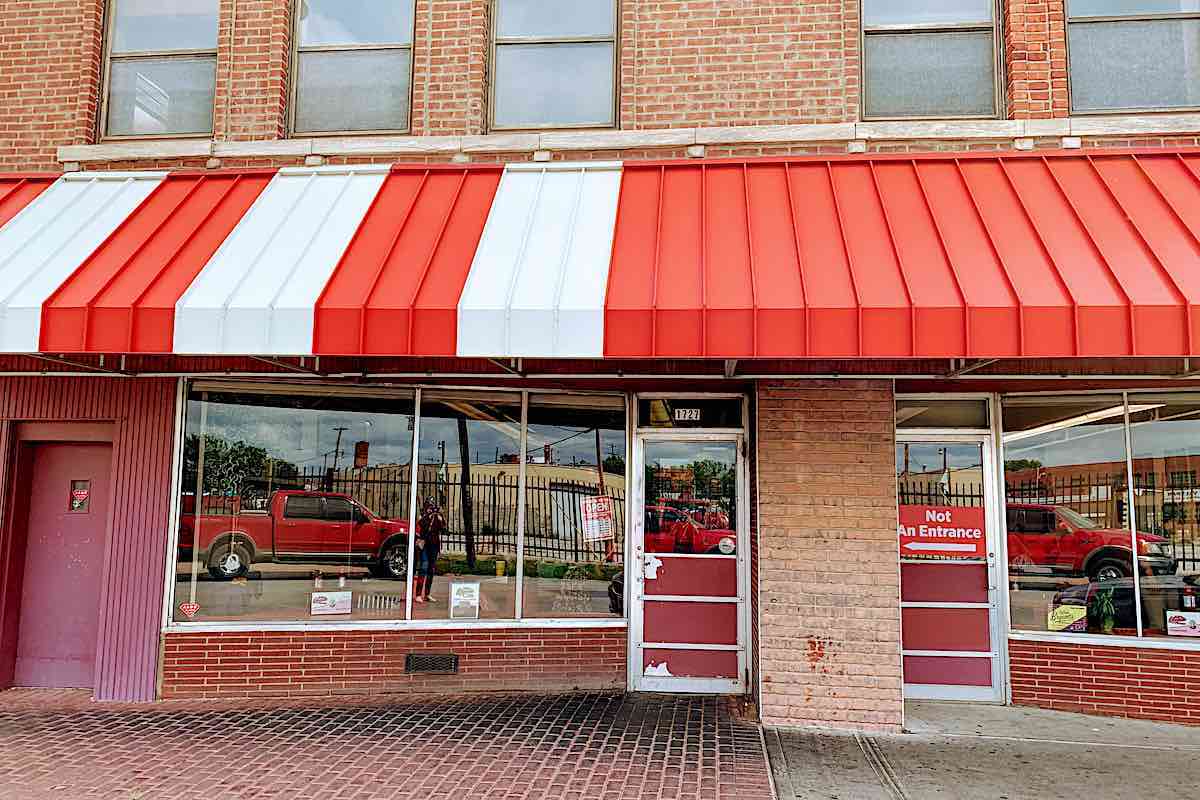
[(582, 746)]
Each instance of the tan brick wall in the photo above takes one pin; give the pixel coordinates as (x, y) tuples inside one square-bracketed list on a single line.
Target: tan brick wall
[(1035, 49), (829, 602)]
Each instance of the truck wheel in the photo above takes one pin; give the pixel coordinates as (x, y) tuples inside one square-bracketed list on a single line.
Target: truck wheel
[(228, 562), (1109, 569), (393, 563)]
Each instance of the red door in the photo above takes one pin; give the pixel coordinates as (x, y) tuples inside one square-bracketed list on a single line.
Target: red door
[(64, 557)]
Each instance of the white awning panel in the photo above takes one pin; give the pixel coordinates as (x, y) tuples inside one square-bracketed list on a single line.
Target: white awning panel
[(51, 237), (538, 280), (258, 291)]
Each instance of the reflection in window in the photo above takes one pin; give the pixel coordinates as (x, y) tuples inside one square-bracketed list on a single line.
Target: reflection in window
[(294, 506), (691, 498), (929, 59), (574, 506), (1067, 515), (946, 481), (1165, 436), (554, 63), (1134, 54), (469, 492), (162, 68)]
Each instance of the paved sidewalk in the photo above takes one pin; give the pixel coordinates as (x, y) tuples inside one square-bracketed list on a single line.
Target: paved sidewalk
[(978, 751), (61, 745)]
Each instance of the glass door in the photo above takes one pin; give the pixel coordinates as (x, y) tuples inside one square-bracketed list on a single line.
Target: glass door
[(689, 625), (949, 602)]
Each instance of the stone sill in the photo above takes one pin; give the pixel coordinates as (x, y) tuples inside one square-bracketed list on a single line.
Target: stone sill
[(567, 141)]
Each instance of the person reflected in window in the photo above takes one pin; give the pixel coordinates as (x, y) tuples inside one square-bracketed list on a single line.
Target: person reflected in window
[(430, 527)]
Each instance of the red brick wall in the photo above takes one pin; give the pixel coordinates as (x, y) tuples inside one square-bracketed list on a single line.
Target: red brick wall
[(732, 62), (829, 601), (254, 40), (1035, 48), (451, 49), (351, 662), (1114, 681)]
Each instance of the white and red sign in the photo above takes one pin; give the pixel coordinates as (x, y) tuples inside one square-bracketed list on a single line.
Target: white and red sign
[(597, 516), (1183, 623), (942, 531), (331, 603), (189, 609)]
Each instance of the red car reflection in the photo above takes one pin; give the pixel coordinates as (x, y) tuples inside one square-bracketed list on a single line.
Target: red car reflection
[(670, 530)]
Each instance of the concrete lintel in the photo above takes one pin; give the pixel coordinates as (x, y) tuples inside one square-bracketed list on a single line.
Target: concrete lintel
[(272, 147), (1135, 124), (772, 134), (133, 150), (386, 145), (951, 129), (617, 140), (501, 143)]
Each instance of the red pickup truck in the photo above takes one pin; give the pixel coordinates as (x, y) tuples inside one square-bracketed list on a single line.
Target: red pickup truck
[(672, 530), (296, 527), (1057, 540)]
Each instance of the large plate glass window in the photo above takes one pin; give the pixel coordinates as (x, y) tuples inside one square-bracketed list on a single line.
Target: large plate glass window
[(1134, 54), (1067, 515), (574, 507), (354, 65), (161, 72), (295, 506), (554, 64), (926, 59)]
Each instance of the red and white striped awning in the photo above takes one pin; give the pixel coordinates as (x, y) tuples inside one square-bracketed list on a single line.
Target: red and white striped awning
[(974, 255)]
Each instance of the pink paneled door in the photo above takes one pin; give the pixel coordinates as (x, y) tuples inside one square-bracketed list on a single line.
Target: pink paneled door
[(947, 564), (65, 531), (691, 613)]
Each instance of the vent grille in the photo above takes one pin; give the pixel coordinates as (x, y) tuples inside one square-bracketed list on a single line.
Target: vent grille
[(436, 663)]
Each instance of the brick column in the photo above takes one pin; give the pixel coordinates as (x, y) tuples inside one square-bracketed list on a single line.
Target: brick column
[(829, 619), (451, 51), (1035, 56), (254, 49)]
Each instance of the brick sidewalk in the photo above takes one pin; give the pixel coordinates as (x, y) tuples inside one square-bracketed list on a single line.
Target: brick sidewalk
[(61, 745)]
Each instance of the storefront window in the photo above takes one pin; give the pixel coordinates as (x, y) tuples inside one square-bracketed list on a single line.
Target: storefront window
[(1067, 515), (1165, 438), (691, 498), (468, 493), (574, 506), (930, 414), (294, 506)]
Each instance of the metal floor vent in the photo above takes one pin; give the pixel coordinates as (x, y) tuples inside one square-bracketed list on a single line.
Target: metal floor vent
[(437, 663)]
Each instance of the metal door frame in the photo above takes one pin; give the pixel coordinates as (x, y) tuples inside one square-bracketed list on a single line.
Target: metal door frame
[(997, 611), (637, 681)]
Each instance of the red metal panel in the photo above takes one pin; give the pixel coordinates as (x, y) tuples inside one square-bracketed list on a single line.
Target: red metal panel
[(689, 622), (693, 663), (778, 279), (122, 298), (943, 582), (729, 279), (945, 629), (396, 289), (708, 577), (131, 584), (948, 670), (18, 191)]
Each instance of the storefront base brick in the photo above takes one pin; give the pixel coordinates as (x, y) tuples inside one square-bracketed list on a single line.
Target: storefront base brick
[(1113, 681), (297, 663)]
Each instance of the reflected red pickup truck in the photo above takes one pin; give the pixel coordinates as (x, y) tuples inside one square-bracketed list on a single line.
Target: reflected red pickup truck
[(1057, 540), (297, 527), (670, 530)]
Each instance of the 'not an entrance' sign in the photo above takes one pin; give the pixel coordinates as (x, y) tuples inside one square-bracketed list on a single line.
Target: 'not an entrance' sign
[(942, 531)]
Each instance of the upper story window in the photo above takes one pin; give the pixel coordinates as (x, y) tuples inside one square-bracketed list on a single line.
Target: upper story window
[(924, 59), (161, 71), (353, 66), (554, 64), (1134, 54)]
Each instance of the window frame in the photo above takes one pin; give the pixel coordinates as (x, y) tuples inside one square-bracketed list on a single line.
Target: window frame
[(294, 77), (999, 110), (1070, 21), (108, 56), (496, 42)]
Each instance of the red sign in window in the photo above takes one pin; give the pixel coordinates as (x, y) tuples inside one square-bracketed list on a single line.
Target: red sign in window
[(942, 532)]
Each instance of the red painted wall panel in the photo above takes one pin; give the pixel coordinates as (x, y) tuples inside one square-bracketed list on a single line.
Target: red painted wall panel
[(945, 629), (943, 582), (690, 623), (706, 577), (948, 670), (694, 663), (143, 411), (1113, 681)]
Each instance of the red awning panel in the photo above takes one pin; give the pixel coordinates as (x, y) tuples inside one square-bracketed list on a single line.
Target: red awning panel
[(396, 289), (122, 298), (17, 191), (981, 255)]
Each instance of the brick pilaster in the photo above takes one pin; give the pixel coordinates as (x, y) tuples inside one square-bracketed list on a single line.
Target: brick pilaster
[(1035, 45)]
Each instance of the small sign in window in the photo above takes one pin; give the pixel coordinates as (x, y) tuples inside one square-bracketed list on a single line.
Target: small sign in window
[(81, 497)]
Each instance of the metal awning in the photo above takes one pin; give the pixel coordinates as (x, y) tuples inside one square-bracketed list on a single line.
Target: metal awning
[(890, 256)]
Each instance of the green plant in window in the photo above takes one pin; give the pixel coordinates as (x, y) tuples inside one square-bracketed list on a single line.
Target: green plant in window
[(1105, 610)]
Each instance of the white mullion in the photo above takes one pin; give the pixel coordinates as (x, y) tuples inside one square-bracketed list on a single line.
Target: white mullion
[(524, 444), (412, 502)]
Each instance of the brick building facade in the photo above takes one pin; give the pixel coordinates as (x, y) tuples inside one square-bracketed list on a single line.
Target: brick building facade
[(778, 88)]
